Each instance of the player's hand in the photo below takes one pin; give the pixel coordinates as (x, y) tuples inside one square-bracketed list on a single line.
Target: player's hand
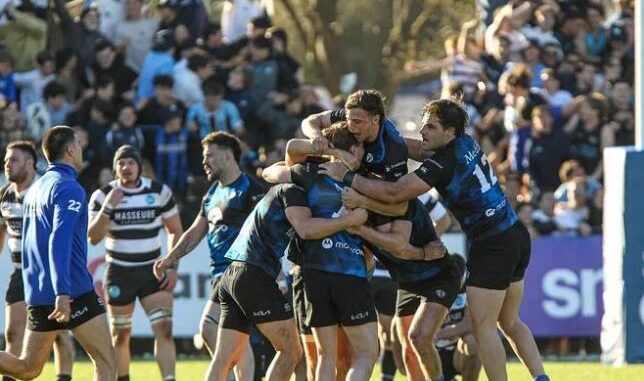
[(169, 281), (434, 250), (114, 197), (161, 266), (351, 199), (62, 310), (320, 145), (334, 169), (356, 217)]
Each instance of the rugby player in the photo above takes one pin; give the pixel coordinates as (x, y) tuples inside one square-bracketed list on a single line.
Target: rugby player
[(59, 291), (20, 171), (128, 213), (500, 244), (230, 199)]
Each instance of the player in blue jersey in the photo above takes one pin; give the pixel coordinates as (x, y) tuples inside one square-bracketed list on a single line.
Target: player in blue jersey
[(228, 202), (59, 290), (20, 171), (500, 244)]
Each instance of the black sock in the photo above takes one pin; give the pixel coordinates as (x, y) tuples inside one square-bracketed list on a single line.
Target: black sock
[(63, 377), (123, 378), (388, 366), (7, 378)]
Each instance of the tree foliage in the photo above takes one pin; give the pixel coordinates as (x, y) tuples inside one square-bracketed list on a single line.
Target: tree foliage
[(373, 38)]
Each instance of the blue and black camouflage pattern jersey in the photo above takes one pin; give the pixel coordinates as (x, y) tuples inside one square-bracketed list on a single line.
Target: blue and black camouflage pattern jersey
[(385, 157), (265, 234), (226, 209), (462, 175), (340, 253), (422, 232)]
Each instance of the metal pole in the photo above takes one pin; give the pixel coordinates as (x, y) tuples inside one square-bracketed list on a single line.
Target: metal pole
[(639, 72)]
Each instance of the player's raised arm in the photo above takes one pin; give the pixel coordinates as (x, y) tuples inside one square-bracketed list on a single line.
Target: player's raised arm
[(352, 199), (313, 125)]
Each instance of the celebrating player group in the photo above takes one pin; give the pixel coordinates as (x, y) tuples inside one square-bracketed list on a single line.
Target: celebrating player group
[(370, 279)]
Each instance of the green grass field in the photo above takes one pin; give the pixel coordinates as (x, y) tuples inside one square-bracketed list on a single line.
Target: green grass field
[(193, 370)]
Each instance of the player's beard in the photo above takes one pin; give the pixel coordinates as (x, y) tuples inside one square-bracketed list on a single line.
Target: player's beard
[(17, 176)]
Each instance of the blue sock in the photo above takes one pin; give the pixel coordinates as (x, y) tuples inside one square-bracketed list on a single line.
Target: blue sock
[(542, 377)]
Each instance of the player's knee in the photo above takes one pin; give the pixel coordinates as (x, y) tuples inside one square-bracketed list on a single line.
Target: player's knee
[(161, 321), (470, 346), (31, 371), (420, 338), (63, 341), (508, 325)]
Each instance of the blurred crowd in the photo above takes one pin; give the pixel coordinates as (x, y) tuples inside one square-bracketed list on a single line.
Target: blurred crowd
[(158, 75), (548, 86)]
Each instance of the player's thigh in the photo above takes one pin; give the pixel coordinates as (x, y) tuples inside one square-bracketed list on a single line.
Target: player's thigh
[(384, 328), (211, 311), (363, 338), (428, 319), (160, 299), (37, 347), (120, 319), (326, 340), (283, 334), (16, 315), (94, 337), (230, 345)]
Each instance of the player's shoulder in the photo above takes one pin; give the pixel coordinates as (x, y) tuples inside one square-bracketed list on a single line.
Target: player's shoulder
[(5, 191), (392, 133), (154, 186)]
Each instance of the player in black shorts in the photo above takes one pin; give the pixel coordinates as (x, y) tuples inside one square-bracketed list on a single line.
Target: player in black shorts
[(20, 171), (500, 244), (128, 214)]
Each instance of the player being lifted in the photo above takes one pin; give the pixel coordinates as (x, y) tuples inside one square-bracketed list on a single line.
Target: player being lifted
[(228, 202), (500, 244), (20, 171), (128, 213), (59, 290)]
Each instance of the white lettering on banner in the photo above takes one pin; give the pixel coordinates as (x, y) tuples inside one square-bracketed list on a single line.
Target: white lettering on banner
[(564, 299)]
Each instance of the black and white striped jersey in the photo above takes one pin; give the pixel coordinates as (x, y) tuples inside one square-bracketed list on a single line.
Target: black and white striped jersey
[(11, 218), (132, 237)]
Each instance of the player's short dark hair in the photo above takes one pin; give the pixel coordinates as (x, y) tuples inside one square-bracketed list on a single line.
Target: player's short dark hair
[(340, 136), (450, 113), (25, 146), (372, 101), (163, 80), (55, 142), (53, 89), (212, 87), (224, 139)]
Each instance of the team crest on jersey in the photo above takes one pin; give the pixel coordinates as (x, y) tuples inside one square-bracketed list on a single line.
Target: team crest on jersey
[(149, 199), (215, 215), (369, 157), (441, 293), (327, 243), (113, 291)]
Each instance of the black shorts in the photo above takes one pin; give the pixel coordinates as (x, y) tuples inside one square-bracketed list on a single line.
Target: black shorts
[(337, 299), (249, 296), (299, 304), (15, 289), (447, 362), (442, 289), (124, 284), (383, 292), (214, 289), (497, 261), (83, 309)]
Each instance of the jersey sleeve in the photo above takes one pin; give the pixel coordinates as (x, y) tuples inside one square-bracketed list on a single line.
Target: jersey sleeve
[(168, 204), (67, 199), (255, 193), (293, 195), (338, 115), (304, 175), (96, 203), (435, 171)]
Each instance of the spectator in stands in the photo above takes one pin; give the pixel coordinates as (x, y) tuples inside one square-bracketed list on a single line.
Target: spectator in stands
[(214, 113), (545, 17), (570, 172), (158, 61), (596, 212), (103, 90), (571, 27), (102, 114), (621, 128), (238, 92), (68, 72), (123, 131), (49, 112), (81, 36), (187, 82), (24, 35), (592, 44), (133, 35), (585, 131), (495, 63), (549, 147), (7, 82), (235, 17), (556, 97), (551, 54), (622, 9), (525, 212), (152, 110), (506, 22), (112, 12), (544, 217), (290, 74), (192, 14), (171, 164), (169, 21), (258, 26), (13, 126), (531, 56), (31, 83), (111, 63), (571, 216)]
